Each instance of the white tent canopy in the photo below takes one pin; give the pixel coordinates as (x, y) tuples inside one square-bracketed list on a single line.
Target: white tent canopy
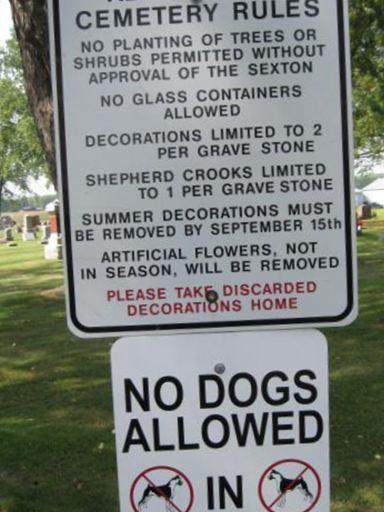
[(375, 192)]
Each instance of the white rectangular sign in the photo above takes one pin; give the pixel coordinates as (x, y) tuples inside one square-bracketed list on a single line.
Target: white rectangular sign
[(205, 155), (223, 421)]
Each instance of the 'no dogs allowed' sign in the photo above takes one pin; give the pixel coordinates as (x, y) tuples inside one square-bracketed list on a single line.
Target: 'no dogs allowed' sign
[(232, 421)]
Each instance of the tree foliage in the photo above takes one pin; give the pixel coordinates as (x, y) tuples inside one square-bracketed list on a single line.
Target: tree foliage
[(367, 50), (35, 202), (21, 154), (31, 27)]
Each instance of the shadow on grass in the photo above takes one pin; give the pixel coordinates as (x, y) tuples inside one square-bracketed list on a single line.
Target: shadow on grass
[(357, 441), (357, 387), (43, 468), (56, 428), (357, 445)]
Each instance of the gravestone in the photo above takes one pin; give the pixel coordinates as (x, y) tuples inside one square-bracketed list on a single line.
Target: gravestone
[(35, 221), (46, 233), (364, 211), (53, 249), (8, 235), (6, 222), (29, 229)]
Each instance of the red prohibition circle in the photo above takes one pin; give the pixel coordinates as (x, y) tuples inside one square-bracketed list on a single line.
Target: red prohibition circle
[(296, 461), (167, 468)]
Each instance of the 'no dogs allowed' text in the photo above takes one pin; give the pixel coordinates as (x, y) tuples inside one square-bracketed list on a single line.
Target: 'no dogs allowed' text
[(276, 425)]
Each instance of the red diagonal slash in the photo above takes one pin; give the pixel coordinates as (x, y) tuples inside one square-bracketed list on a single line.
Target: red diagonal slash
[(162, 494), (292, 484)]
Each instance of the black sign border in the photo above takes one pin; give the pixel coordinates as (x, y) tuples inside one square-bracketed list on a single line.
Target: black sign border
[(220, 324)]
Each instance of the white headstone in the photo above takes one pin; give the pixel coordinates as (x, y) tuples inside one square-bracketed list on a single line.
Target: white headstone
[(28, 230), (53, 250)]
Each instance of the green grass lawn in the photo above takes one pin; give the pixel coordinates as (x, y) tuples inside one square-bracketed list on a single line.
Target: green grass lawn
[(379, 213), (56, 424), (357, 387)]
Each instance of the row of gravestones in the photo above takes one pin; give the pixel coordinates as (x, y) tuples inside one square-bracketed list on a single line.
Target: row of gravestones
[(28, 231), (51, 236)]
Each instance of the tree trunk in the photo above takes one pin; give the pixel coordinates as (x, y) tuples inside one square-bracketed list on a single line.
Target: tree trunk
[(31, 26)]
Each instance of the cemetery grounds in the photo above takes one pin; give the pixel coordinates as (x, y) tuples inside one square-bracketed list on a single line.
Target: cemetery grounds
[(57, 448)]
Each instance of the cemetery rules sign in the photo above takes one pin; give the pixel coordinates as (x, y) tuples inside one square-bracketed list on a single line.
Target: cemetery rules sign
[(205, 151), (201, 426)]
